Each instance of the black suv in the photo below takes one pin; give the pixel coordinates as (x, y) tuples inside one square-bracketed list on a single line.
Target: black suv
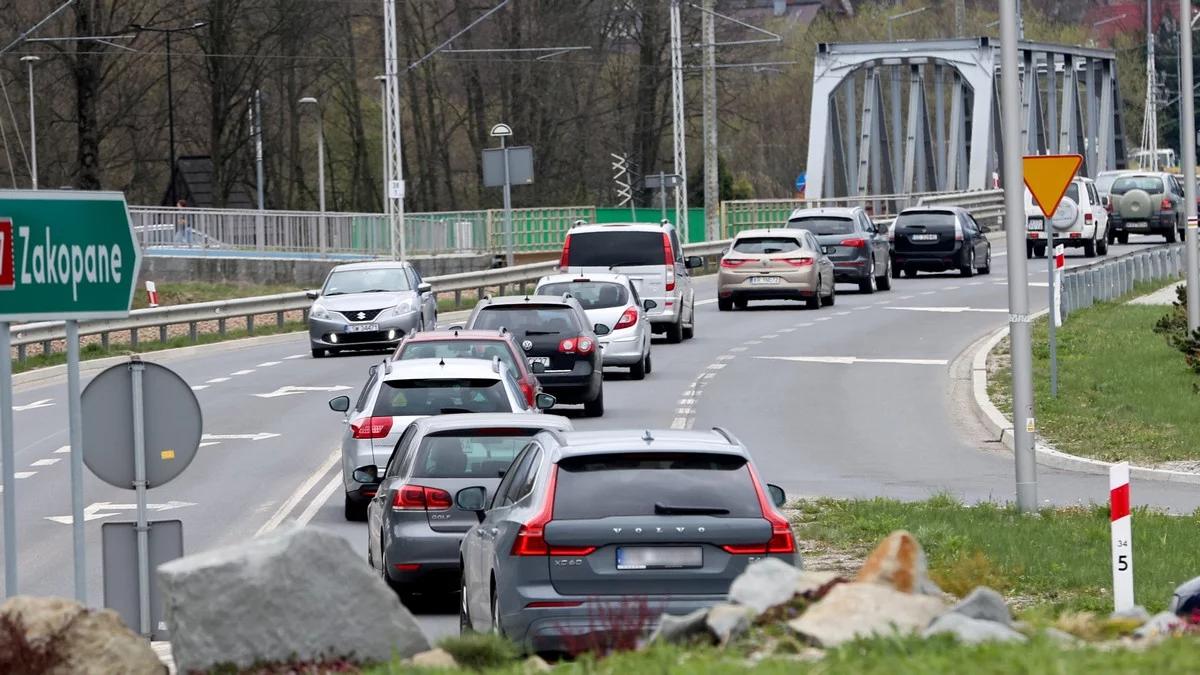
[(559, 343)]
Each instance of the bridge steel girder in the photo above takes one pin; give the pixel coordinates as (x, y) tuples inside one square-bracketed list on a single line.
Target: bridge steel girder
[(853, 154)]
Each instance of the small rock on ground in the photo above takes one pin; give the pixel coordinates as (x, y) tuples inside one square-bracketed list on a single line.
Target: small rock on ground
[(764, 585), (899, 563), (673, 628), (985, 604), (434, 658), (972, 631), (728, 621)]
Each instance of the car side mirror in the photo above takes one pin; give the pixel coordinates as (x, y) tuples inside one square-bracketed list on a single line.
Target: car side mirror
[(366, 475), (339, 403), (1104, 200), (601, 329), (472, 499), (693, 261), (778, 496), (538, 368), (649, 305), (373, 369), (424, 287), (312, 295), (545, 401)]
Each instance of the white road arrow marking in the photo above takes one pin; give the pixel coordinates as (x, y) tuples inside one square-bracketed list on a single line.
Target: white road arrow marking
[(950, 310), (105, 509), (44, 403), (850, 360), (260, 436), (289, 390)]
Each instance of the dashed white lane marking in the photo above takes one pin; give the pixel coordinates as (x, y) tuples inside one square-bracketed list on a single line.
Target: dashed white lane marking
[(66, 449), (841, 313), (950, 310), (217, 380), (295, 356), (928, 292), (47, 462), (706, 302), (24, 474), (716, 366), (708, 376), (727, 357), (288, 506), (44, 403), (772, 336), (950, 288), (849, 360), (786, 330), (737, 349), (198, 387), (980, 283), (243, 372), (1043, 284), (679, 423), (824, 318), (906, 297), (754, 342), (267, 364), (802, 325), (861, 309)]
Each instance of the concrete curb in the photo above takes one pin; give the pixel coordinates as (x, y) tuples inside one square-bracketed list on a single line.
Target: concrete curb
[(994, 420)]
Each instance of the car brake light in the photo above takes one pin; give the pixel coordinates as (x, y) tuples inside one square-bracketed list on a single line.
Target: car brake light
[(854, 243), (1108, 207), (527, 392), (798, 262), (553, 603), (372, 427), (1166, 204), (628, 318), (576, 345), (419, 497), (892, 232), (781, 540), (958, 235), (531, 538), (669, 261), (1087, 217), (733, 262), (566, 253)]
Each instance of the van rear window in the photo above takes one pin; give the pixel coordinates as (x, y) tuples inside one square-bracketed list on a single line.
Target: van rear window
[(616, 248)]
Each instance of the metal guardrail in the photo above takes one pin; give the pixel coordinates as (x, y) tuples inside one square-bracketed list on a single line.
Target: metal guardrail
[(986, 205), (1116, 277), (504, 279)]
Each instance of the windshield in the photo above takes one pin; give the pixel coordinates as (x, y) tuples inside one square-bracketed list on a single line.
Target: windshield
[(543, 319), (460, 349), (440, 396), (819, 225), (1104, 182), (371, 280), (925, 219), (766, 245), (616, 248), (468, 453), (590, 294), (1151, 184)]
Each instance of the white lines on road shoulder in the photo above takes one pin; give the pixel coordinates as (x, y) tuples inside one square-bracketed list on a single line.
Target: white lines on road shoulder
[(217, 380), (268, 364), (850, 360), (706, 302), (295, 356), (44, 403), (47, 462), (199, 387), (288, 506), (316, 504), (951, 310), (24, 474), (66, 449), (243, 372)]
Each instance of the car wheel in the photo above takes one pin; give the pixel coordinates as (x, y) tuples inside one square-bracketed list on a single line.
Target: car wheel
[(884, 282), (987, 263), (896, 271), (318, 353), (867, 285), (496, 627), (353, 511), (724, 304), (595, 407), (815, 301), (1089, 249), (968, 269), (1170, 236), (1123, 238), (649, 364), (638, 370), (675, 332), (832, 297), (464, 611), (689, 331), (1102, 245)]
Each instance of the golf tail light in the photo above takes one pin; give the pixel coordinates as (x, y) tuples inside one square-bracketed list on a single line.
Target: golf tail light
[(566, 253), (419, 497), (628, 318), (372, 427)]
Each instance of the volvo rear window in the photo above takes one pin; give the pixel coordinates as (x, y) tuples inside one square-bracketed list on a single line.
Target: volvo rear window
[(441, 396), (649, 484), (616, 248), (766, 245), (468, 453), (926, 219), (544, 319), (820, 225), (1151, 184), (590, 294), (460, 349)]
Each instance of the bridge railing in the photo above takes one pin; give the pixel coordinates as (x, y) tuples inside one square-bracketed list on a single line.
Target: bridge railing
[(750, 214)]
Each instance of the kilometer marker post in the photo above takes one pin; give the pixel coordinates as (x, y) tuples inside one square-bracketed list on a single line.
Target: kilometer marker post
[(1122, 538)]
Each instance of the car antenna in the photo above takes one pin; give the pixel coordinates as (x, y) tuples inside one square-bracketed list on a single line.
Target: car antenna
[(441, 362), (456, 333), (648, 437)]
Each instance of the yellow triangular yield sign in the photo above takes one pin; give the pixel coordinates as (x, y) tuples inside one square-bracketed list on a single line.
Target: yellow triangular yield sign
[(1048, 176)]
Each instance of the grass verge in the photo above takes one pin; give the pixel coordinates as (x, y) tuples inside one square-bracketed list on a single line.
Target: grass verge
[(1056, 561), (1124, 393), (184, 293)]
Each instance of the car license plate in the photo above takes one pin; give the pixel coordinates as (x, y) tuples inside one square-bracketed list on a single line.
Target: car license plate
[(1035, 225), (755, 281), (923, 237), (1137, 226), (659, 557), (544, 360), (363, 328)]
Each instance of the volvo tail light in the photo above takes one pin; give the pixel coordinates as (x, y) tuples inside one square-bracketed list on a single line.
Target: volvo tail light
[(421, 498), (628, 318), (371, 427), (669, 261), (531, 536), (781, 541)]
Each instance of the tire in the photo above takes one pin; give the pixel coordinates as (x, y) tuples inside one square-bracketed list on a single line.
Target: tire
[(724, 304), (884, 283), (815, 301), (638, 370), (1123, 238), (968, 270), (832, 297), (464, 612), (1170, 236), (1102, 246), (319, 353), (649, 364), (354, 512), (675, 332), (896, 271), (1089, 249), (595, 407), (689, 332), (496, 627), (987, 263), (867, 285)]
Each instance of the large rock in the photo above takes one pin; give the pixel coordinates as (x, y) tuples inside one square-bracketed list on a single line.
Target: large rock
[(677, 628), (434, 658), (765, 584), (89, 642), (810, 582), (728, 621), (295, 594), (985, 604), (855, 610), (899, 562), (1186, 599), (971, 631)]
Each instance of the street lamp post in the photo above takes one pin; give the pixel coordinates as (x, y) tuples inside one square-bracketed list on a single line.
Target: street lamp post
[(174, 198), (322, 237), (33, 168), (503, 131)]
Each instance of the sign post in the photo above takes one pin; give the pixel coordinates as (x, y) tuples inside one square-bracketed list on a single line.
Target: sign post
[(1056, 261), (661, 181), (70, 256), (502, 167), (1122, 536)]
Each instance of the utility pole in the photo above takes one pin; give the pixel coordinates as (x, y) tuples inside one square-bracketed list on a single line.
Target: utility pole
[(33, 168), (394, 160), (258, 149), (960, 18), (679, 132), (1187, 144), (1150, 119), (712, 195), (1020, 337)]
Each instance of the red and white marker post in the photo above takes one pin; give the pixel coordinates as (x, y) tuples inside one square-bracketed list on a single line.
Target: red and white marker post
[(1122, 538), (151, 294)]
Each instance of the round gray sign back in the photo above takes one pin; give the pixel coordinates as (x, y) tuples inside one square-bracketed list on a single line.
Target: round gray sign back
[(171, 421)]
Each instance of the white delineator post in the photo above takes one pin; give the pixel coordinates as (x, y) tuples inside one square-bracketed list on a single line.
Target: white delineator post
[(1122, 539), (151, 294), (1060, 262)]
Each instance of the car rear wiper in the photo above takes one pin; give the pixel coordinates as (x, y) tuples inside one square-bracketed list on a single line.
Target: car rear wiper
[(669, 510), (628, 264)]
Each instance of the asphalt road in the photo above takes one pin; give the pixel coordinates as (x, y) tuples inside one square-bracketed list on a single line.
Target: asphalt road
[(851, 400)]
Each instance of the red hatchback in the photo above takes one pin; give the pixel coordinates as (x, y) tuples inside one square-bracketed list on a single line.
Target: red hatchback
[(472, 344)]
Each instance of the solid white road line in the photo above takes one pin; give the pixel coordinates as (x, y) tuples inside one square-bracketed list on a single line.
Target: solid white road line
[(316, 504), (47, 462), (198, 387), (951, 310), (205, 444), (44, 403), (260, 436), (706, 302), (288, 506), (849, 360)]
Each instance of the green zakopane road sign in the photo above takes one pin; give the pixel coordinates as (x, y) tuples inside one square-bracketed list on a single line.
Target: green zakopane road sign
[(66, 255)]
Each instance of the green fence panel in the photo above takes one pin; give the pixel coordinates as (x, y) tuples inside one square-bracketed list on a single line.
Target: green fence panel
[(624, 214)]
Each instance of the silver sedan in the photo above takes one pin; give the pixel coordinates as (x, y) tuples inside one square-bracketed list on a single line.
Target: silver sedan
[(610, 300)]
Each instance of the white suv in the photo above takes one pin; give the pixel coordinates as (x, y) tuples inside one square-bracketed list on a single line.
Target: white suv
[(1080, 221), (652, 257)]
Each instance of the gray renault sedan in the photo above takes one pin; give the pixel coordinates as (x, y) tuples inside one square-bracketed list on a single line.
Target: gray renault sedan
[(413, 528), (587, 525), (369, 305)]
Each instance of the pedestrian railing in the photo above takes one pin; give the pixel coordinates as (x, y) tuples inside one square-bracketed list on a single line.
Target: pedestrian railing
[(1117, 276)]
